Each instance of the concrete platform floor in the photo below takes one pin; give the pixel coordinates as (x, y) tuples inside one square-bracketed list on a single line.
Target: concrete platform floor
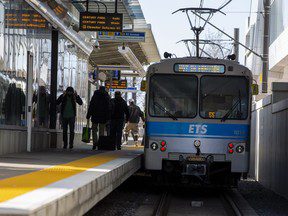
[(62, 182)]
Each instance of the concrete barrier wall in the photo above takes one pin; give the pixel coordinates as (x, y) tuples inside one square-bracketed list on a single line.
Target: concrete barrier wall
[(269, 144), (13, 139)]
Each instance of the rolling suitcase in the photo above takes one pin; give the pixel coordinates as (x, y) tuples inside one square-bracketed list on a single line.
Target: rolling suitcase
[(106, 143)]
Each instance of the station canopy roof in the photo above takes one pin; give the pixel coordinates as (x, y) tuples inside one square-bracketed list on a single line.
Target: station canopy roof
[(133, 21)]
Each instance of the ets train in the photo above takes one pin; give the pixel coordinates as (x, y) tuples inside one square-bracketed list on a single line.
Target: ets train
[(198, 119)]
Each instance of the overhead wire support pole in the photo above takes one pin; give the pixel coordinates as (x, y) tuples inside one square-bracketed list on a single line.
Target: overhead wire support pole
[(236, 45), (266, 46), (252, 51)]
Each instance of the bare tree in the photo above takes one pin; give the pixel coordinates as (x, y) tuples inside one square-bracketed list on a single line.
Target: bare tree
[(217, 46)]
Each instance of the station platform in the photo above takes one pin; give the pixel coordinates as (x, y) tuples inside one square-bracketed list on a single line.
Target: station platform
[(62, 182)]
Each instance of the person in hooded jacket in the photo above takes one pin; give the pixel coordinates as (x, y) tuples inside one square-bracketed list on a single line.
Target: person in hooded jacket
[(68, 102), (120, 113), (100, 111)]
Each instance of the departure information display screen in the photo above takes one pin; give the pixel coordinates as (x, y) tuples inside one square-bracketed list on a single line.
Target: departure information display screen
[(24, 19), (199, 68), (108, 22)]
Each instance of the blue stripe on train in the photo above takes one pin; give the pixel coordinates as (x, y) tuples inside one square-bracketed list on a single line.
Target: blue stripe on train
[(201, 130)]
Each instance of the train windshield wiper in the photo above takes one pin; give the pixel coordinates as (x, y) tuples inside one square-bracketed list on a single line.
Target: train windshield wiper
[(232, 108), (165, 111)]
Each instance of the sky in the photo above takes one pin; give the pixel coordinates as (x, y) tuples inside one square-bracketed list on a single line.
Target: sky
[(168, 29)]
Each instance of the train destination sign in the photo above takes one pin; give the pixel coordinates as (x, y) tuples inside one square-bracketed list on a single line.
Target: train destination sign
[(199, 68), (24, 19), (109, 22)]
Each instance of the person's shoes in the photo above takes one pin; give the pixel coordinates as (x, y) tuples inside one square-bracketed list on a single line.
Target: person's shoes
[(65, 147), (118, 147), (70, 146), (94, 147)]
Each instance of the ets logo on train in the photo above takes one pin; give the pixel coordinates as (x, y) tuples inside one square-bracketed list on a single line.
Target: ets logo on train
[(198, 129)]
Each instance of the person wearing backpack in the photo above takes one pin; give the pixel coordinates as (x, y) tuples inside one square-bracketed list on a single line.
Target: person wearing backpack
[(100, 111), (133, 121)]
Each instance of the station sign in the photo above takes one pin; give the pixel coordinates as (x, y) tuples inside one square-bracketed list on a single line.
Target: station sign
[(24, 19), (109, 22), (116, 74), (121, 36), (58, 9), (116, 84), (130, 89)]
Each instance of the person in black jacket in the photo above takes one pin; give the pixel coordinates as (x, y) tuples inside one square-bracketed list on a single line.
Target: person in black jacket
[(68, 102), (120, 112), (100, 111)]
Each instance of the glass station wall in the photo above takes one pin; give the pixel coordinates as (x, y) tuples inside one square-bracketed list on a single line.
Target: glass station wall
[(73, 71), (15, 41)]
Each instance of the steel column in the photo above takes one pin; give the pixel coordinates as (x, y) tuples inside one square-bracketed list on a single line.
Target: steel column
[(54, 72)]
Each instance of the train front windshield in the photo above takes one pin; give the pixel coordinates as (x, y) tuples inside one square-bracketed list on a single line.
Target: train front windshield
[(173, 96), (224, 97), (221, 97)]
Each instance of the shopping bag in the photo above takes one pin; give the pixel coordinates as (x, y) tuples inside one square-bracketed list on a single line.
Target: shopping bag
[(86, 133)]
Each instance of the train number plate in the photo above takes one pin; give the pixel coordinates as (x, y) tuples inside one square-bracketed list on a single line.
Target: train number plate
[(195, 169), (196, 158)]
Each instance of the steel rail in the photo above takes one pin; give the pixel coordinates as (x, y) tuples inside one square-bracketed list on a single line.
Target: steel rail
[(163, 205)]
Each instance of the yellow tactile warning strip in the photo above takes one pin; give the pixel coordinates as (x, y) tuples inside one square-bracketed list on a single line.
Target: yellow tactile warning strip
[(19, 185)]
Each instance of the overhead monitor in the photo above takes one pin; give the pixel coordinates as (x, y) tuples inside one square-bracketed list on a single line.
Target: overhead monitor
[(199, 68), (116, 84), (24, 19), (109, 22)]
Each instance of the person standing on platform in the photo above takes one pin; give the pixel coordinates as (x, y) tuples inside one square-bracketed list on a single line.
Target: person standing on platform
[(68, 102), (120, 113), (100, 111), (133, 121)]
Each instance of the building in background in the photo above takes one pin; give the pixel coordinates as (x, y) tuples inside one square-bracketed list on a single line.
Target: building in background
[(278, 49)]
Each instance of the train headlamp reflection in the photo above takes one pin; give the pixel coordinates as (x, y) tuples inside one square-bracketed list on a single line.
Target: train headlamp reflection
[(154, 146), (239, 149)]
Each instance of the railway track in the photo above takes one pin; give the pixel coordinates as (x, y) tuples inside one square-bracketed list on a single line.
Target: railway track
[(221, 203)]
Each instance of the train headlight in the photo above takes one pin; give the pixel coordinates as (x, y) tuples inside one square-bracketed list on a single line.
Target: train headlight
[(240, 149), (154, 146), (197, 143)]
